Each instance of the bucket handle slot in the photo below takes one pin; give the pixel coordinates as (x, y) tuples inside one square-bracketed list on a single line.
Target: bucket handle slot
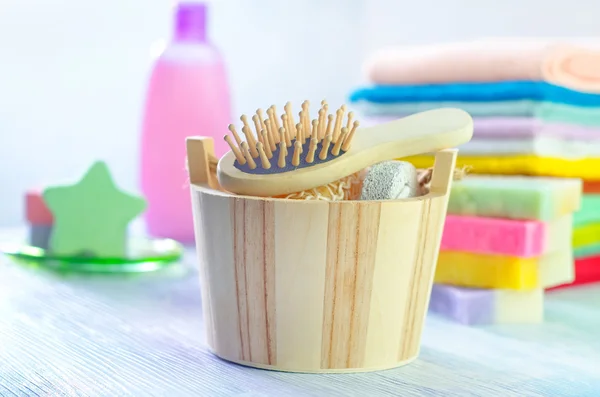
[(443, 171), (200, 151)]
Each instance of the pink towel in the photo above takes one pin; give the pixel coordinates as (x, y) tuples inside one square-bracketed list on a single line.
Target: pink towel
[(490, 60)]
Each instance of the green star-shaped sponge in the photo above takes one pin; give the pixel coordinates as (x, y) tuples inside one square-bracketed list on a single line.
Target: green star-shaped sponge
[(91, 217)]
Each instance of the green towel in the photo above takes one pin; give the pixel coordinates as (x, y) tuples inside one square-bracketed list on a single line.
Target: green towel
[(588, 250), (546, 111), (567, 114)]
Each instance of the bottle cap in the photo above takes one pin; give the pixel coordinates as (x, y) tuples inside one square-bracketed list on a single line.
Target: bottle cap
[(190, 21)]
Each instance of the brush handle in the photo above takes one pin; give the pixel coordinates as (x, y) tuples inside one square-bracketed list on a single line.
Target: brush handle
[(424, 132), (420, 133)]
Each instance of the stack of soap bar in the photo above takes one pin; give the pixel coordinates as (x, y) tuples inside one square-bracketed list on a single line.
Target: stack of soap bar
[(586, 241), (506, 239), (39, 219)]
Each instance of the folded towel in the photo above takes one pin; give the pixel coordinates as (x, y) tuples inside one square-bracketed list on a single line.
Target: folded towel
[(589, 212), (586, 222), (523, 108), (588, 169), (546, 111), (515, 128), (490, 60), (475, 92), (591, 187), (543, 146), (556, 113), (587, 250), (465, 92), (576, 68), (587, 270), (587, 235)]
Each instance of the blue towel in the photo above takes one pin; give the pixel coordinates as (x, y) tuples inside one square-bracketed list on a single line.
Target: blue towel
[(475, 92)]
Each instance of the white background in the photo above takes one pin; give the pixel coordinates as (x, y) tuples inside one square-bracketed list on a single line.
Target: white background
[(73, 72)]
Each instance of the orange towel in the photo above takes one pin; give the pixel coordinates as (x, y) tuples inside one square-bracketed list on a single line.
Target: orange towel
[(591, 187)]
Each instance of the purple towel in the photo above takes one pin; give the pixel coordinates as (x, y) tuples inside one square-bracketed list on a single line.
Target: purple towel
[(516, 127)]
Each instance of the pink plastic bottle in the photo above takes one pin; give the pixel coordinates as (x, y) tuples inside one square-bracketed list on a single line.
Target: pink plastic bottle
[(188, 95)]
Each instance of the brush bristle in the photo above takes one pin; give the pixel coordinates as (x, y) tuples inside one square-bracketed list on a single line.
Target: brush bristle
[(281, 144)]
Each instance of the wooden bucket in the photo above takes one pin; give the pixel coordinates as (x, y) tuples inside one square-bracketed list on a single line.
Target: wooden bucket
[(315, 286)]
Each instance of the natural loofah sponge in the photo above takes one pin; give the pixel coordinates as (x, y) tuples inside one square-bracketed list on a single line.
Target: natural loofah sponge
[(347, 188)]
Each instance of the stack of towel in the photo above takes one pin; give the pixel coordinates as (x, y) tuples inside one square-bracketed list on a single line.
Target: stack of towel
[(496, 257), (535, 105)]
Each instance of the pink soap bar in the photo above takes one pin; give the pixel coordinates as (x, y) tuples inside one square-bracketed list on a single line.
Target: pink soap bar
[(497, 236), (36, 211)]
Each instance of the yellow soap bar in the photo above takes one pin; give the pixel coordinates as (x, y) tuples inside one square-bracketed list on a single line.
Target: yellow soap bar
[(586, 235), (466, 269), (587, 168)]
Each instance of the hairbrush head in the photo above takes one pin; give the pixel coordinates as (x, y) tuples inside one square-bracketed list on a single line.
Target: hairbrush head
[(275, 147)]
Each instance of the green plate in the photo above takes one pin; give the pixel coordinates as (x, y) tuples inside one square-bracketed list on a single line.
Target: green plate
[(145, 255)]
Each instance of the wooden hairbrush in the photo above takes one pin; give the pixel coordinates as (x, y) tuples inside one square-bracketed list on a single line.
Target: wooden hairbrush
[(285, 157)]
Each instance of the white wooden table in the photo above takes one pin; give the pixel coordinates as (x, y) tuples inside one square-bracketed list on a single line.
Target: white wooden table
[(142, 336)]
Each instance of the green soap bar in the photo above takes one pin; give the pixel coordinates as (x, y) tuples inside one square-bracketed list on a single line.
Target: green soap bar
[(515, 197), (589, 211)]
